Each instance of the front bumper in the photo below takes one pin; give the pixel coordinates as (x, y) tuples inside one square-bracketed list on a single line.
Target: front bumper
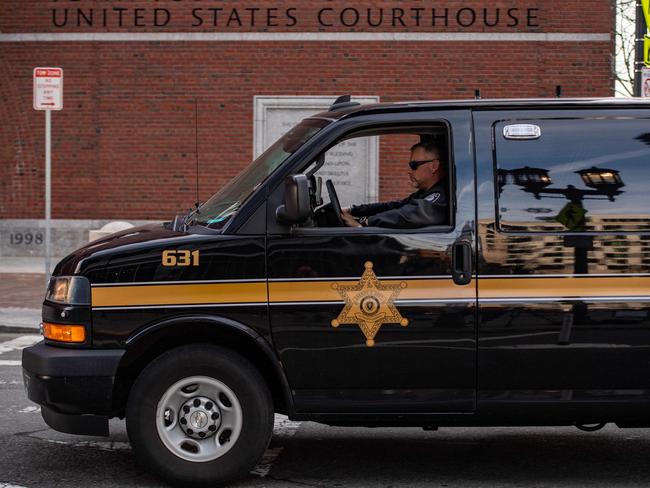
[(73, 386)]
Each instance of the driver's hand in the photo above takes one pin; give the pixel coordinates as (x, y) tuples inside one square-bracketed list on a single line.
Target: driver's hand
[(349, 220)]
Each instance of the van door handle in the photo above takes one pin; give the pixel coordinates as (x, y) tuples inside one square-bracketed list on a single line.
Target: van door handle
[(461, 263)]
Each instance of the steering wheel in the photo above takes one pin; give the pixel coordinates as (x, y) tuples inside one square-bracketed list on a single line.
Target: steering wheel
[(334, 200)]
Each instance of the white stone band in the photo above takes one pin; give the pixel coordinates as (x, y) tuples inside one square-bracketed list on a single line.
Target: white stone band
[(305, 36)]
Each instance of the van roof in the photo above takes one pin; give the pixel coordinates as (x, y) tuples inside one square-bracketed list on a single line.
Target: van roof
[(486, 104)]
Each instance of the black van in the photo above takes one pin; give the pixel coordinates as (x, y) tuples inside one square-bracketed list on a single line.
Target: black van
[(528, 304)]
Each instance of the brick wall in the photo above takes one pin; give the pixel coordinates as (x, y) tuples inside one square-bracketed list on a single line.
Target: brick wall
[(124, 144)]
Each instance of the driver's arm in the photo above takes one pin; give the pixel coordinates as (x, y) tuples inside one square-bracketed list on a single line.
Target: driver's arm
[(417, 213), (375, 208)]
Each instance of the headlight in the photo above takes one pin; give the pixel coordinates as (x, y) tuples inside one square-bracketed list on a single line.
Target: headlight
[(71, 290)]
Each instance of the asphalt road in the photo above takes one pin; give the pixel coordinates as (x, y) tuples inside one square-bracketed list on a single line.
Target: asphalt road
[(311, 455)]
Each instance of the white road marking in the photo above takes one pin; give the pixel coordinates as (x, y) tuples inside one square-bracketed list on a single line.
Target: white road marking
[(12, 382), (282, 427), (101, 445), (20, 343), (6, 362), (31, 409), (265, 465), (9, 485)]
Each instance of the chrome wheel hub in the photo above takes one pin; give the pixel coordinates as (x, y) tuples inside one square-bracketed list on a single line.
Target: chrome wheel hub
[(200, 417)]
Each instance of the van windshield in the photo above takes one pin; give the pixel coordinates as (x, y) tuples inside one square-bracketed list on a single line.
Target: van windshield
[(215, 212)]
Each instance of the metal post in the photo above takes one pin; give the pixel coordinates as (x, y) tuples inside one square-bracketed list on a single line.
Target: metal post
[(48, 192), (641, 30)]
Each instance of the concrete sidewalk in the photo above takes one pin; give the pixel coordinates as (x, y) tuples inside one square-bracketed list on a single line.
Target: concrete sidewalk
[(22, 289), (20, 320), (13, 265)]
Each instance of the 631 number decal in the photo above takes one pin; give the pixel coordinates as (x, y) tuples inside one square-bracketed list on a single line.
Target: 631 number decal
[(181, 257)]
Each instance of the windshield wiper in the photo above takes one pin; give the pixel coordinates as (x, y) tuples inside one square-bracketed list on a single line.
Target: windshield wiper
[(191, 213), (182, 222)]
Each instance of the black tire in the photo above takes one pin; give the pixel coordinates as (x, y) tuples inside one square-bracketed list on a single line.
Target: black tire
[(223, 365)]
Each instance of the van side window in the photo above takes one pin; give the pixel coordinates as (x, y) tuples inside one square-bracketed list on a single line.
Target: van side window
[(387, 177), (573, 175)]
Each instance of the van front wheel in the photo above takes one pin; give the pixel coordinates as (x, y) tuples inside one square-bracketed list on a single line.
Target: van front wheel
[(200, 415)]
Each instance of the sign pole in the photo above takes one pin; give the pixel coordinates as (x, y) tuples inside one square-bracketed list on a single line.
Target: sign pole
[(48, 193), (48, 96), (638, 51), (642, 40)]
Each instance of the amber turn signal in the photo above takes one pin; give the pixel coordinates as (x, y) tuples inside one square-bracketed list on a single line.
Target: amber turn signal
[(64, 332)]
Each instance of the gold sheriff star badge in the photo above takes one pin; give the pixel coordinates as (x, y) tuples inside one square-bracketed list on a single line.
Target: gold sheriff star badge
[(369, 304)]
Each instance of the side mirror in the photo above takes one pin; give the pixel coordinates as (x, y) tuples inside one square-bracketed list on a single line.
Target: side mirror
[(318, 192), (296, 206)]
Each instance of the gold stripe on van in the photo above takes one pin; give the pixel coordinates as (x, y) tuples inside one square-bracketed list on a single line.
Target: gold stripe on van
[(541, 287), (132, 295), (323, 291), (317, 291)]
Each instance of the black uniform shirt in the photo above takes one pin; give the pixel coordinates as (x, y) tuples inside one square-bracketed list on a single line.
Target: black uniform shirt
[(419, 209)]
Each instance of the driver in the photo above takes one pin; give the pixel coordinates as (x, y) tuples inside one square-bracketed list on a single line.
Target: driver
[(427, 206)]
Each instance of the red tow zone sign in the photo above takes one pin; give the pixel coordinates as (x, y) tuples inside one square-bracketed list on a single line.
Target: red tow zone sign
[(48, 89)]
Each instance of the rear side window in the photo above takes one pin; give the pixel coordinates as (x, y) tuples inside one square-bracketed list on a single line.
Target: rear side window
[(573, 175)]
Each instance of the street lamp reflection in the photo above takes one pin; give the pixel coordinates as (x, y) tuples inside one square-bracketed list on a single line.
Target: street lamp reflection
[(533, 180), (600, 182), (606, 181)]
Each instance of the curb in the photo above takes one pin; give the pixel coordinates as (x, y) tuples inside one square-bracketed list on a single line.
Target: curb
[(18, 329), (16, 320)]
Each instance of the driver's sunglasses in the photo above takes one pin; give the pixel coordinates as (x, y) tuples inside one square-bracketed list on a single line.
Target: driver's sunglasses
[(416, 164)]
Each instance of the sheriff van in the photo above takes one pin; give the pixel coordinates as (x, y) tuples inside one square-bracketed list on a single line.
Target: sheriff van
[(525, 304)]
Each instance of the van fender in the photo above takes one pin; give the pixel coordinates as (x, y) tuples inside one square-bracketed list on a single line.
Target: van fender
[(253, 338)]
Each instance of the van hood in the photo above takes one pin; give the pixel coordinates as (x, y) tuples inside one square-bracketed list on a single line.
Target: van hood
[(99, 252)]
